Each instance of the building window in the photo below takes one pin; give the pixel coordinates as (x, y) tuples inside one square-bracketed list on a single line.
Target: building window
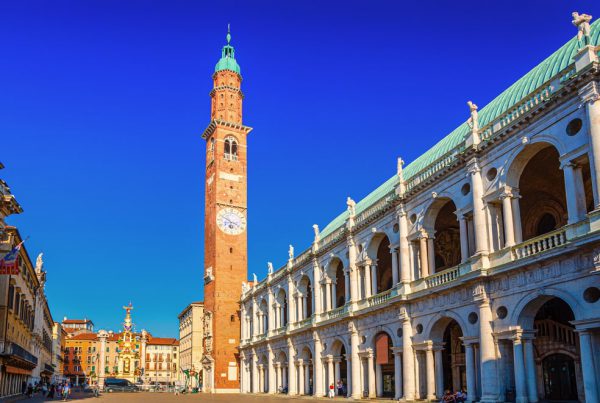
[(11, 296), (231, 149)]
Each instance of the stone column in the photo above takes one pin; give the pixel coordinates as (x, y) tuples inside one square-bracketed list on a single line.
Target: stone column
[(430, 377), (423, 257), (318, 366), (102, 335), (354, 293), (430, 254), (408, 358), (574, 192), (327, 297), (530, 368), (519, 364), (290, 297), (487, 353), (464, 239), (481, 242), (590, 94), (336, 365), (348, 375), (470, 364), (271, 311), (354, 342), (394, 252), (254, 373), (347, 286), (374, 288), (587, 355), (371, 372), (397, 375), (304, 306), (271, 370), (291, 368), (333, 296), (284, 377), (378, 380), (300, 377), (307, 378), (516, 210), (368, 281), (404, 251), (439, 373), (507, 214), (278, 376), (330, 373), (317, 305)]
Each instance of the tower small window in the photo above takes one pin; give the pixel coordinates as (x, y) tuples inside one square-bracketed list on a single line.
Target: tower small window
[(231, 149)]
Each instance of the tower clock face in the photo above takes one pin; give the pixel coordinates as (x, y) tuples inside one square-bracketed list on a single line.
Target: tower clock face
[(231, 221)]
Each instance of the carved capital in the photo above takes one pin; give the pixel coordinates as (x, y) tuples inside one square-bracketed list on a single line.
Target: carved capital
[(473, 167), (590, 93)]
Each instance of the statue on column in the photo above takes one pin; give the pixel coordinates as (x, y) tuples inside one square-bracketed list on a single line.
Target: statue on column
[(582, 22), (39, 263), (473, 121), (269, 268), (351, 206), (316, 230)]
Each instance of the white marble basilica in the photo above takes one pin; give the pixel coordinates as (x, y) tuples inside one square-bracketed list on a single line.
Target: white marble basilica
[(475, 267)]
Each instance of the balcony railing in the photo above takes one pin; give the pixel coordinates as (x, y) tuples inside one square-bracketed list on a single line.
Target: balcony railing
[(380, 298), (13, 350), (554, 331), (540, 244), (335, 313), (443, 277)]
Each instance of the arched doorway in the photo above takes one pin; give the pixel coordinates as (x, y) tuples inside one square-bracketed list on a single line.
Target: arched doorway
[(385, 372), (281, 316), (559, 377), (543, 202), (453, 358), (340, 285), (450, 358), (557, 349), (281, 374), (384, 266), (446, 244), (307, 362), (305, 308), (340, 369)]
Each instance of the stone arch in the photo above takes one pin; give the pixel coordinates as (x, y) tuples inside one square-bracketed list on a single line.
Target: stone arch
[(378, 251), (514, 161), (281, 299), (281, 357), (441, 223), (437, 325), (526, 309), (306, 352), (336, 345), (536, 172), (306, 289)]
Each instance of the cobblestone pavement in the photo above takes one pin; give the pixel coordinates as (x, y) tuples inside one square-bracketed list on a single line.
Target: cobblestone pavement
[(148, 397)]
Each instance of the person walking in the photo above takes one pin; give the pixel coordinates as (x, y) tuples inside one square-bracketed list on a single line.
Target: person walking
[(66, 392), (331, 391)]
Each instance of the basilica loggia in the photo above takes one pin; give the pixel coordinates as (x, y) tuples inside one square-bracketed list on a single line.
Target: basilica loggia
[(474, 267)]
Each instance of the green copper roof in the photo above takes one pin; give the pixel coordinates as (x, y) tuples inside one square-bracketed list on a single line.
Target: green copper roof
[(527, 84), (227, 61)]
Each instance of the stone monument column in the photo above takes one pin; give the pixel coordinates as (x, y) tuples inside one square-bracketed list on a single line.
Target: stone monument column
[(102, 335), (143, 342)]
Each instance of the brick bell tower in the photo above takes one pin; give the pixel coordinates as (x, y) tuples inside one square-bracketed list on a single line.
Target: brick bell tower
[(225, 239)]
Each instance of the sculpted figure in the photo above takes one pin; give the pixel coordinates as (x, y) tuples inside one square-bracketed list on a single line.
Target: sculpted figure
[(39, 262), (255, 278), (473, 121), (291, 252), (316, 229), (582, 22), (351, 206), (269, 268)]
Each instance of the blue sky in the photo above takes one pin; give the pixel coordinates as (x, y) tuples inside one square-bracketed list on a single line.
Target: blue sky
[(102, 103)]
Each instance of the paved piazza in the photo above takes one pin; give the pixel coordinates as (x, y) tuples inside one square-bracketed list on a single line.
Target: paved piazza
[(147, 397)]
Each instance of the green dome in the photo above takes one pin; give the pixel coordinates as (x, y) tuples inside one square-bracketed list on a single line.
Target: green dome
[(227, 61)]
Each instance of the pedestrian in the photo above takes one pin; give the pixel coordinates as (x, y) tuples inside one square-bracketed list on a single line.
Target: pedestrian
[(331, 391), (340, 387), (66, 391), (30, 390), (51, 391)]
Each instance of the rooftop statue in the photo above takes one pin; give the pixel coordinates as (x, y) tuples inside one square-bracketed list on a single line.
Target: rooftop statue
[(291, 252), (351, 206), (269, 268), (473, 121), (255, 278), (39, 263), (316, 229), (582, 22)]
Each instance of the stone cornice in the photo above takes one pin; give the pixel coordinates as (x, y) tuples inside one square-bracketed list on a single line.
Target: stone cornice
[(214, 124)]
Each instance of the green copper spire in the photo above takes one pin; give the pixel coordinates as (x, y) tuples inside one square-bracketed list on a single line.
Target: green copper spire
[(227, 61)]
